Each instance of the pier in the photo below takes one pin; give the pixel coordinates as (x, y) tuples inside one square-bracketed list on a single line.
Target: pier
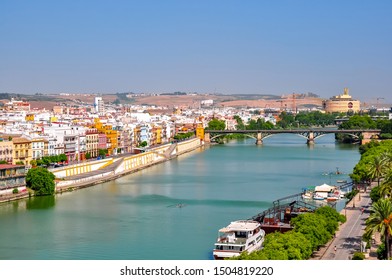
[(277, 217)]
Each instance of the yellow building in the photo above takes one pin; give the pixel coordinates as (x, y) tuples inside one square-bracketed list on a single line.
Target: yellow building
[(6, 147), (22, 150), (342, 104), (111, 135), (200, 132), (156, 137), (29, 118), (92, 142)]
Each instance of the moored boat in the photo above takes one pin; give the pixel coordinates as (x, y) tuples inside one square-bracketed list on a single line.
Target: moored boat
[(317, 196), (239, 236)]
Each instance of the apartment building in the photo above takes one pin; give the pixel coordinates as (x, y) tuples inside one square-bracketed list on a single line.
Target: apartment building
[(6, 147), (22, 150)]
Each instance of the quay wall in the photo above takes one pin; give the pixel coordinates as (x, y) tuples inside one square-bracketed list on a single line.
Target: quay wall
[(121, 166), (81, 168)]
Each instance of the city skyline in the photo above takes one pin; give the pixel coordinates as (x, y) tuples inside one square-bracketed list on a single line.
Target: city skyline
[(229, 47)]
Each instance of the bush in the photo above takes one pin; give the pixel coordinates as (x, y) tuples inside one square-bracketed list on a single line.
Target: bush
[(14, 191), (381, 252), (358, 256)]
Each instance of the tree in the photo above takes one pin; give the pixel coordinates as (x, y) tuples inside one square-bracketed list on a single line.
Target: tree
[(380, 220), (385, 189), (376, 169), (375, 194), (54, 158), (103, 152), (62, 158), (46, 161), (41, 181), (216, 124), (88, 155), (33, 162), (143, 144), (240, 124), (314, 227)]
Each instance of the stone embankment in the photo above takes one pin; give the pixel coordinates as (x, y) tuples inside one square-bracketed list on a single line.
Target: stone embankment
[(90, 173)]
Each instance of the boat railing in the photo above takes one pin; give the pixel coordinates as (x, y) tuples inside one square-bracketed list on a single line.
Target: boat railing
[(236, 240)]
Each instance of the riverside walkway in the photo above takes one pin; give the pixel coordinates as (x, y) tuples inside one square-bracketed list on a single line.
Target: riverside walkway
[(348, 237)]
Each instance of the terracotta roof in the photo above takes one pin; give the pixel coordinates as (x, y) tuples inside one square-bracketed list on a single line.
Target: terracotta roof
[(9, 166)]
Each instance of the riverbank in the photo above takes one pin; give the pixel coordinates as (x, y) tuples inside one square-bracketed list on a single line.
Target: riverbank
[(83, 175), (348, 237)]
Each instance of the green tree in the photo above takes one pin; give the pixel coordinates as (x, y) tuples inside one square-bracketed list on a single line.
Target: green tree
[(375, 194), (103, 152), (385, 189), (54, 159), (314, 227), (143, 144), (33, 162), (376, 169), (332, 218), (88, 155), (41, 181), (380, 220), (46, 161), (286, 120), (240, 123), (62, 158), (216, 124), (358, 256)]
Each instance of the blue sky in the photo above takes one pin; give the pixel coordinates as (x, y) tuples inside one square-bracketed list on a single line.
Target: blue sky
[(233, 47)]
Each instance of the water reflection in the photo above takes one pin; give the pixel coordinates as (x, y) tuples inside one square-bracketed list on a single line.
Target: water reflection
[(41, 202)]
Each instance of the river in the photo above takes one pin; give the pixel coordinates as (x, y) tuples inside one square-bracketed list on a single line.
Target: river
[(136, 216)]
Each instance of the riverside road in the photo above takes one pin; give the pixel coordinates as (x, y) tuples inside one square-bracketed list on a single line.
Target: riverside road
[(348, 237)]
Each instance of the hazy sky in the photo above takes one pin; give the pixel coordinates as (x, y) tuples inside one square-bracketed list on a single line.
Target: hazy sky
[(243, 46)]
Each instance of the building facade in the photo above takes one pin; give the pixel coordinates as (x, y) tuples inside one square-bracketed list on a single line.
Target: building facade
[(343, 103)]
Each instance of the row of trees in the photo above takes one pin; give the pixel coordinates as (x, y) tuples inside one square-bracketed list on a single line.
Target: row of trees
[(286, 120), (365, 122), (47, 160), (183, 136), (310, 231), (376, 165)]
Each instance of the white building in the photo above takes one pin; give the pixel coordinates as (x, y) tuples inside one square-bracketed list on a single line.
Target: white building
[(98, 105)]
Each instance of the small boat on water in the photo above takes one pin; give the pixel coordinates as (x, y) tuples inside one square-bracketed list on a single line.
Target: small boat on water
[(317, 196), (332, 198), (307, 193), (239, 236)]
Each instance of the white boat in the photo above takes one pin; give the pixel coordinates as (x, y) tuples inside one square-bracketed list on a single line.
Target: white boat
[(238, 237), (317, 196)]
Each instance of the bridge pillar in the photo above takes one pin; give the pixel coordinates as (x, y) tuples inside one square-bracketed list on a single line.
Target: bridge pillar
[(259, 140), (310, 138), (207, 137)]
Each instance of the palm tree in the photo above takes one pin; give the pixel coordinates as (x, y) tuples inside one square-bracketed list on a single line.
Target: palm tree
[(386, 185), (387, 158), (380, 220), (376, 169)]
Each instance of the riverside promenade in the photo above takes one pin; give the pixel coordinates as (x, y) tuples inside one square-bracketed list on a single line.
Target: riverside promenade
[(349, 236), (114, 167)]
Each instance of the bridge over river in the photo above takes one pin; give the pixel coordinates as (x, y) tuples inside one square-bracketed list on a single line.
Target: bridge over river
[(363, 135)]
